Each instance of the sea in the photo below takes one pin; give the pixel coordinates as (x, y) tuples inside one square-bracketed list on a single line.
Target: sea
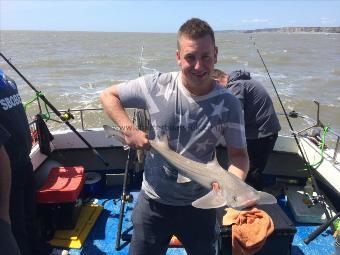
[(72, 68)]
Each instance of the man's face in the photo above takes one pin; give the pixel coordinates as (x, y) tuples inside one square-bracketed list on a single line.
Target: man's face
[(196, 57)]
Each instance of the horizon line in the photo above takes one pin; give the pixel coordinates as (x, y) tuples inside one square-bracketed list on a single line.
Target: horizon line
[(153, 32)]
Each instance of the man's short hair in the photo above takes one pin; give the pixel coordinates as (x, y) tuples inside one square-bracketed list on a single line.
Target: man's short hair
[(195, 28)]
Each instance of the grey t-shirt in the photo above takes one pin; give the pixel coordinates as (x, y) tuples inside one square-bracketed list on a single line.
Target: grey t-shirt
[(192, 124), (259, 114)]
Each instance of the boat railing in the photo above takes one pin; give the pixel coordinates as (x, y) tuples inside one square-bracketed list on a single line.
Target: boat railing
[(53, 118), (336, 144), (317, 124), (80, 112), (82, 120)]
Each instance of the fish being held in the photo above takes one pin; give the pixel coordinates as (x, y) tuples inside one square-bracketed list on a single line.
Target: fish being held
[(232, 192)]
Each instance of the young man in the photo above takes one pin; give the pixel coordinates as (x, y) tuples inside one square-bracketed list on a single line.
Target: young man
[(261, 123), (193, 113)]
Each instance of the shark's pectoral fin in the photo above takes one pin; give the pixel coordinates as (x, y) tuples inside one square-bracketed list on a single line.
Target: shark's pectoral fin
[(214, 199)]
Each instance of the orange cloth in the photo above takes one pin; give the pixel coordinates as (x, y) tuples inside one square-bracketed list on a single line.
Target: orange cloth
[(174, 242), (250, 230)]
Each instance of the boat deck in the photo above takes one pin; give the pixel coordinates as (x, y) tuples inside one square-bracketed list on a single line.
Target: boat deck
[(102, 238)]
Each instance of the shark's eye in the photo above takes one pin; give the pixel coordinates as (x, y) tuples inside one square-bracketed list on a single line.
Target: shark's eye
[(235, 198)]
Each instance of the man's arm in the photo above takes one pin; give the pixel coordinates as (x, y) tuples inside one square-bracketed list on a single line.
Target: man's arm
[(114, 109), (5, 184), (239, 162)]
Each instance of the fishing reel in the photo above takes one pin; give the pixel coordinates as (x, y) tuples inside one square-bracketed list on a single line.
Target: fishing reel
[(127, 198), (312, 200), (66, 116)]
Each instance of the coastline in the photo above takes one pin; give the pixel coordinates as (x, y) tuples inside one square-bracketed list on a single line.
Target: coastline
[(288, 30)]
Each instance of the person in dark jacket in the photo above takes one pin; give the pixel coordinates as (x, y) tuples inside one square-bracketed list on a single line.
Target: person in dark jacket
[(7, 242), (16, 143), (261, 123)]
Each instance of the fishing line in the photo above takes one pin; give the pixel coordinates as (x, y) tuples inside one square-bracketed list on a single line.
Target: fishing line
[(140, 62), (322, 199)]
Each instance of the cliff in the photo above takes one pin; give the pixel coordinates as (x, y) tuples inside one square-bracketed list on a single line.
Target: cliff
[(292, 30), (298, 29)]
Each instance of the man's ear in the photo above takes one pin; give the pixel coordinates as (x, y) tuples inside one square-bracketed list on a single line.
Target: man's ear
[(178, 57), (215, 54)]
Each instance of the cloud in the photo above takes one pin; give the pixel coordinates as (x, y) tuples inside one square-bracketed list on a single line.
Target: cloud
[(327, 21), (255, 21)]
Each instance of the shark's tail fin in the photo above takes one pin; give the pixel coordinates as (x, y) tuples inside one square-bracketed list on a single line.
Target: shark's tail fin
[(110, 132)]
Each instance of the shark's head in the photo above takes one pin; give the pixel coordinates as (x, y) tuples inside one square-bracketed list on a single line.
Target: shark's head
[(252, 198)]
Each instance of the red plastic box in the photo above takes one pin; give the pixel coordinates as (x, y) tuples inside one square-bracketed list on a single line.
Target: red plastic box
[(63, 185)]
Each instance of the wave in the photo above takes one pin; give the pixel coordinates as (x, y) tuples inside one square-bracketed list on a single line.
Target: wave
[(276, 76)]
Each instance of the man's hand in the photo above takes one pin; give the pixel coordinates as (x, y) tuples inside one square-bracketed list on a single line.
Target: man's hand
[(215, 186), (137, 139)]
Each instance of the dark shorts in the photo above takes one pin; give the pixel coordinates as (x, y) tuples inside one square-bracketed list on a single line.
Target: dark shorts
[(7, 242), (259, 151), (155, 223)]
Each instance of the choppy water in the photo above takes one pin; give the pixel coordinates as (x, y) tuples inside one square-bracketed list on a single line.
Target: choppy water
[(72, 68)]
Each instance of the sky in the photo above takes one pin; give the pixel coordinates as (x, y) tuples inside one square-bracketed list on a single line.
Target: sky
[(163, 16)]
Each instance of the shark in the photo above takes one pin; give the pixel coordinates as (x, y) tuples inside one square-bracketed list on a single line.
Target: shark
[(231, 192)]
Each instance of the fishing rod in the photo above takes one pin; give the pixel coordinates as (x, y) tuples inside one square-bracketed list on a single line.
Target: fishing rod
[(140, 62), (55, 110), (320, 196), (320, 229), (127, 198)]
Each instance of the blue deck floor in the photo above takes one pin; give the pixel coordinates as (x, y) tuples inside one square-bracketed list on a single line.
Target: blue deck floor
[(102, 238)]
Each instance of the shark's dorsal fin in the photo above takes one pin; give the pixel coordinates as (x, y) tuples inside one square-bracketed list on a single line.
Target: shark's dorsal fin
[(213, 163)]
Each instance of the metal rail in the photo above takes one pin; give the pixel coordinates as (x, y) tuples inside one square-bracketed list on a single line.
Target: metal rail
[(317, 123), (82, 113)]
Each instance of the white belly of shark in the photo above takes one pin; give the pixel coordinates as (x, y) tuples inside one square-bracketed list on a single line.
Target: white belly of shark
[(233, 191)]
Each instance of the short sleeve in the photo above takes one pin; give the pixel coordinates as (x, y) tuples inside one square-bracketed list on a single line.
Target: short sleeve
[(238, 91), (137, 93), (234, 132)]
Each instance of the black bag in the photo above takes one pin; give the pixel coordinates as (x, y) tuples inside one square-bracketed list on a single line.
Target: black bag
[(44, 135)]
